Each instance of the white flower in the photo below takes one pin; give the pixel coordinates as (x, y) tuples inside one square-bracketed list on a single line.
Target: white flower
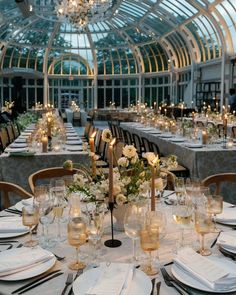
[(80, 179), (106, 135), (129, 151), (144, 187), (123, 162), (152, 159), (134, 159), (120, 199)]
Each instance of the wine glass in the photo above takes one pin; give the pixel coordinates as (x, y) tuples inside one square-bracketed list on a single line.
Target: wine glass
[(160, 184), (77, 236), (182, 211), (214, 207), (203, 225), (150, 237), (133, 225), (179, 186), (30, 218), (40, 192)]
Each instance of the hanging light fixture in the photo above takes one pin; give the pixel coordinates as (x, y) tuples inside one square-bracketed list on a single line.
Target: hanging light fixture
[(77, 12)]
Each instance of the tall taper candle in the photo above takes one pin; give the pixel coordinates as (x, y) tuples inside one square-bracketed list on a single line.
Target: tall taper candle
[(92, 149), (153, 188), (111, 197)]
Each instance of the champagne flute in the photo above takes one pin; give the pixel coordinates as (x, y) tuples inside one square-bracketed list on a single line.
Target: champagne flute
[(133, 225), (214, 207), (30, 218), (203, 225), (182, 213), (150, 237), (77, 236)]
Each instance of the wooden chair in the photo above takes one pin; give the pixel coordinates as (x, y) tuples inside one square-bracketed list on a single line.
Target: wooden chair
[(10, 133), (127, 137), (138, 144), (7, 188), (200, 124), (170, 179), (4, 138), (16, 130), (218, 179), (154, 148), (234, 131), (146, 144), (54, 172)]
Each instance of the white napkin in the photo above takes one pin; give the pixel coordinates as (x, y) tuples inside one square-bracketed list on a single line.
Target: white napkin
[(12, 225), (114, 279), (9, 149), (194, 145), (207, 272), (27, 202), (228, 215), (227, 239), (20, 259), (20, 140)]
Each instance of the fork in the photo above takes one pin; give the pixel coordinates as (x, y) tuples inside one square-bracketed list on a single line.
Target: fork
[(59, 258), (170, 282), (69, 281)]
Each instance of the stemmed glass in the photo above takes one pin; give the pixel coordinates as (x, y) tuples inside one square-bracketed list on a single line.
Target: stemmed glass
[(182, 213), (214, 207), (77, 236), (59, 203), (179, 186), (95, 230), (133, 225), (203, 225), (30, 218), (152, 228), (161, 184)]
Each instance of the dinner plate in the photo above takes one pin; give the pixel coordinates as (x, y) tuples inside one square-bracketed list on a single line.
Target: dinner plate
[(18, 145), (12, 235), (178, 139), (31, 272), (9, 149), (194, 145), (166, 135), (74, 148), (74, 142), (23, 203), (190, 281), (20, 140), (140, 285)]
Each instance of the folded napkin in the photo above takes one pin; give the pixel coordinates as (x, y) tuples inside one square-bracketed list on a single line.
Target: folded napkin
[(213, 275), (75, 148), (227, 240), (20, 140), (12, 225), (114, 279), (9, 149), (166, 135), (228, 215), (27, 202), (20, 259), (178, 139)]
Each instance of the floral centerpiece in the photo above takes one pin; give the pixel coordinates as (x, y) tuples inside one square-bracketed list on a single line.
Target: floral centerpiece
[(8, 106)]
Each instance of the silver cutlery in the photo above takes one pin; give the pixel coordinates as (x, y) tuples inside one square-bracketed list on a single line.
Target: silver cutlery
[(38, 280), (153, 286), (170, 282), (158, 286), (59, 258), (79, 272), (68, 282), (215, 240)]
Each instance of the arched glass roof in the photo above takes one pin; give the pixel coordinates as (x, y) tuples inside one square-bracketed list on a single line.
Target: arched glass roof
[(138, 37)]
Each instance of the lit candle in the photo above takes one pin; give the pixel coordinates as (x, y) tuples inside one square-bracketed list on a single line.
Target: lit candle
[(92, 149), (153, 188), (230, 143), (225, 124), (182, 111), (165, 110), (49, 125), (204, 137), (44, 144), (111, 197)]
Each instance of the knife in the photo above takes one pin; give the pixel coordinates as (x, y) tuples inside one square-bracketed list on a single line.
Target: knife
[(41, 282), (35, 281)]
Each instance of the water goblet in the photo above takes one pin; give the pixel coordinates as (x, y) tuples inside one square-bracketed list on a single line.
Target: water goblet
[(30, 218), (133, 225), (152, 228), (77, 236), (203, 225), (214, 207)]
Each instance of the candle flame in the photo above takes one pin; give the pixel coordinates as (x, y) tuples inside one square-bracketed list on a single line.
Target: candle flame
[(93, 134), (113, 142)]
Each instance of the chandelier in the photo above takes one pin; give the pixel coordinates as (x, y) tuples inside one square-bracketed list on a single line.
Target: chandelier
[(77, 12), (81, 12)]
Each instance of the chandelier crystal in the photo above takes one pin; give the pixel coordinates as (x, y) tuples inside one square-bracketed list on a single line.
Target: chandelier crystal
[(77, 12), (81, 12)]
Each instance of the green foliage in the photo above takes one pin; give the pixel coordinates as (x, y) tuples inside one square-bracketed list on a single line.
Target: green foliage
[(25, 119)]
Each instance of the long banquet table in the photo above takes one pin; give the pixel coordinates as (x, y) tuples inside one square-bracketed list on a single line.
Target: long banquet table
[(201, 162), (17, 169), (123, 253)]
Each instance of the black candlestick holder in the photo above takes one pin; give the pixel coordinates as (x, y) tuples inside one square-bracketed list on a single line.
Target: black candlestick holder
[(112, 243)]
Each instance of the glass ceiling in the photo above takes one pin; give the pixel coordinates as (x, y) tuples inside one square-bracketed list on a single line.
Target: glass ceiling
[(139, 36)]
